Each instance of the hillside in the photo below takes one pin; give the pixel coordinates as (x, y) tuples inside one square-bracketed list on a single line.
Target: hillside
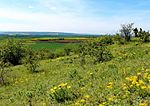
[(125, 80)]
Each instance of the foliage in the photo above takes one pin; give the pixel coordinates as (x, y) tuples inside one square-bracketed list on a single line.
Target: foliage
[(62, 93), (4, 70), (135, 32), (12, 51), (106, 39), (67, 51), (118, 39), (144, 36), (97, 50), (31, 61), (126, 31)]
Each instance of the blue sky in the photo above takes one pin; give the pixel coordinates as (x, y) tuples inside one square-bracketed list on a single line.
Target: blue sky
[(81, 16)]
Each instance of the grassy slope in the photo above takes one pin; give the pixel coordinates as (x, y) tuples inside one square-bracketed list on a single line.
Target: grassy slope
[(128, 60)]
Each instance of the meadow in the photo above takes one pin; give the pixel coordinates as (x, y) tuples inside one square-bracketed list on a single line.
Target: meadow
[(64, 81)]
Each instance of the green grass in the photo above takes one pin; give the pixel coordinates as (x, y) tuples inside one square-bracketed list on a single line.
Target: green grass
[(94, 84), (51, 46)]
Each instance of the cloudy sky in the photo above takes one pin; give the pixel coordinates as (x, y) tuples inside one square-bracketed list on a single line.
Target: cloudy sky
[(81, 16)]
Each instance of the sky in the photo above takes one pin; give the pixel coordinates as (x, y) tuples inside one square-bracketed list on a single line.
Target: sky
[(77, 16)]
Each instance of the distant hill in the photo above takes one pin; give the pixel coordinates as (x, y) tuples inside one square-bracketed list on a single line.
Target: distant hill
[(37, 34)]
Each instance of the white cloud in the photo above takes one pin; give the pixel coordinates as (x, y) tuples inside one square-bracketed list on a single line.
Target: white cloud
[(68, 22)]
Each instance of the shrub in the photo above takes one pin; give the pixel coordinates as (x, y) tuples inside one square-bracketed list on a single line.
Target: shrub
[(4, 70), (106, 40), (67, 51), (31, 61), (12, 51), (135, 32), (62, 93), (144, 36), (98, 51), (117, 38)]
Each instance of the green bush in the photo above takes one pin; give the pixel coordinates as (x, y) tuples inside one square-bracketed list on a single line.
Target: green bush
[(4, 70), (12, 51), (144, 36), (31, 61), (95, 49), (107, 39), (62, 93), (118, 39)]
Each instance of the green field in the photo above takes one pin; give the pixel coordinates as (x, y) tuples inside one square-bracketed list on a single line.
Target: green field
[(123, 81), (51, 46)]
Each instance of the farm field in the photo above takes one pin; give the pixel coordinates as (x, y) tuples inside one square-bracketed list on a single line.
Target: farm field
[(124, 80), (54, 43)]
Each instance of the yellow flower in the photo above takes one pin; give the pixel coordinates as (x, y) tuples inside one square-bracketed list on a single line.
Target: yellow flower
[(91, 73), (44, 104), (63, 85), (148, 87), (147, 70), (111, 98), (82, 100), (77, 104), (137, 84), (145, 75), (102, 104), (55, 88), (139, 73), (68, 87), (87, 96), (110, 84), (143, 87), (52, 90), (82, 88), (141, 82), (143, 104), (124, 86)]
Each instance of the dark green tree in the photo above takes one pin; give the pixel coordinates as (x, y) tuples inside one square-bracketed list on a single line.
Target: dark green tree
[(136, 32)]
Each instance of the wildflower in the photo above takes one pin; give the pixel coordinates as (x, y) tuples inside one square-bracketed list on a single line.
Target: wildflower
[(148, 87), (143, 104), (102, 104), (82, 88), (44, 104), (87, 96), (55, 88), (147, 70), (145, 75), (68, 87), (143, 87), (52, 90), (141, 82), (91, 73), (110, 84), (128, 78), (82, 100), (63, 85), (77, 104), (139, 73), (111, 98)]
